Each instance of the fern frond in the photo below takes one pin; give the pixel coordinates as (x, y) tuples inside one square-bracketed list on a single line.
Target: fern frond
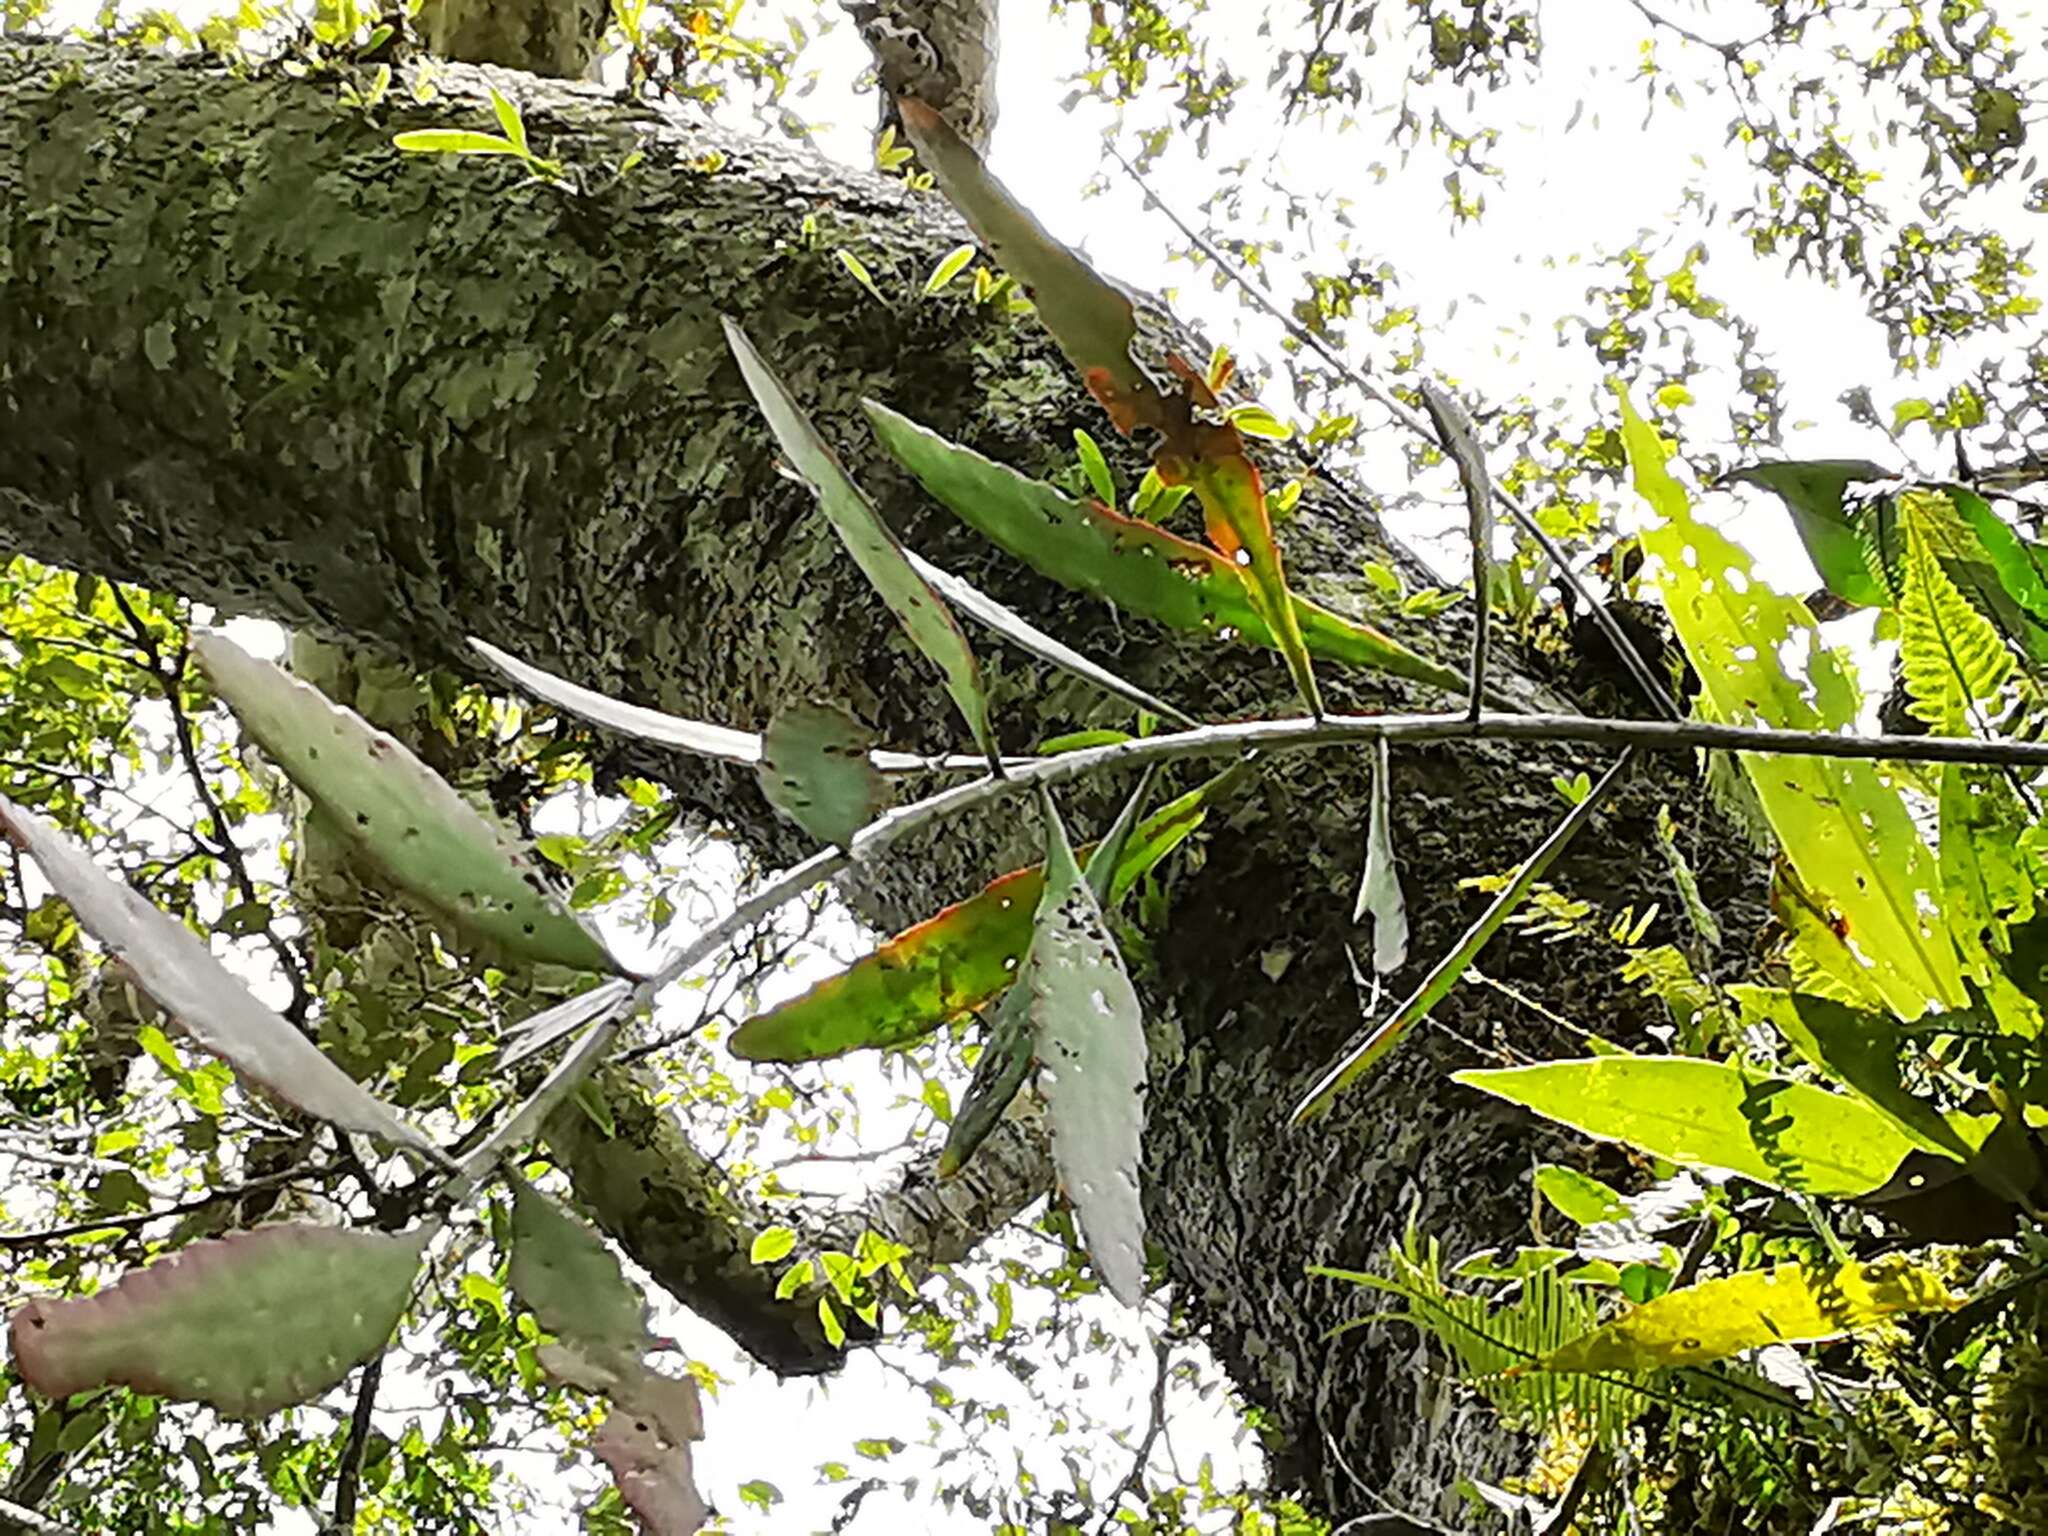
[(1953, 658)]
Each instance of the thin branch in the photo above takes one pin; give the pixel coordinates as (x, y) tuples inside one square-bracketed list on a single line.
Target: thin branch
[(1658, 694), (22, 1518), (1729, 51), (169, 673), (139, 1219), (348, 1475), (1134, 1480)]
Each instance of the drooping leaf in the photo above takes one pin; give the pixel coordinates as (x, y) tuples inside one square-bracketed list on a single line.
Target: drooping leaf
[(652, 1468), (524, 1123), (563, 1272), (1005, 1059), (1460, 438), (1233, 497), (815, 770), (398, 810), (2020, 566), (615, 714), (1789, 1304), (251, 1323), (1812, 491), (921, 611), (1579, 1197), (1847, 832), (1986, 884), (1862, 1052), (1089, 1038), (174, 966), (1705, 1114), (1140, 568), (1379, 891), (1091, 320), (1445, 974), (1027, 636), (950, 963), (533, 1035)]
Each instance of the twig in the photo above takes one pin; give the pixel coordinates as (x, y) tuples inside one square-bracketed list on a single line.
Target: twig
[(169, 674), (1658, 694), (348, 1475), (1134, 1480), (138, 1219), (1729, 51), (1461, 441), (1592, 1471)]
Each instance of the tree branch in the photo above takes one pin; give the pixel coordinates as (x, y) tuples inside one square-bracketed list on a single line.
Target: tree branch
[(348, 1475)]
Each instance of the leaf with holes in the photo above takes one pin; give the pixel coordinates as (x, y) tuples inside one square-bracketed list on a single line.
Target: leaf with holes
[(250, 1323), (956, 961), (1951, 656), (1844, 828), (815, 770), (398, 810), (1788, 1304), (174, 966), (562, 1270), (1089, 1038), (1140, 568), (922, 613), (1091, 320), (1233, 498), (1006, 1054), (1813, 491), (1704, 1114), (652, 1469)]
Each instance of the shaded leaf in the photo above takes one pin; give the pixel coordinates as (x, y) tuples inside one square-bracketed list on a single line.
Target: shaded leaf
[(1579, 1197), (398, 810), (1460, 438), (1705, 1114), (950, 963), (815, 770), (174, 966), (920, 610), (1790, 1304), (1140, 568), (1812, 491), (524, 1123), (653, 1472), (251, 1323), (1089, 1038), (1379, 890), (562, 1270), (1027, 636), (1845, 830)]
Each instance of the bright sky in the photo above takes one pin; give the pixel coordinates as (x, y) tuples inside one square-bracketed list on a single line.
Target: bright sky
[(1587, 171)]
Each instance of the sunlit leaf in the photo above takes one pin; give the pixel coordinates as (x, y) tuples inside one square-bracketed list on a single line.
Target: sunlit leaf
[(1952, 658), (958, 960), (1089, 1037), (1704, 1114), (1789, 1304), (1091, 320), (398, 811), (453, 141), (1140, 568), (950, 266), (251, 1323), (1579, 1197), (922, 613), (1847, 832), (174, 966)]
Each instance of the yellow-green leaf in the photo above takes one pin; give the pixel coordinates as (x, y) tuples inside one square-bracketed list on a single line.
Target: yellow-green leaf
[(950, 266), (1791, 1304)]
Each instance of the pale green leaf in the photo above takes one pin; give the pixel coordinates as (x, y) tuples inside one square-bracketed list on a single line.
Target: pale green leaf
[(950, 266), (773, 1245), (1579, 1197), (815, 770), (453, 141)]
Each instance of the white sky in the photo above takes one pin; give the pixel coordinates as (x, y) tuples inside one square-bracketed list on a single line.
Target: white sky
[(1586, 173)]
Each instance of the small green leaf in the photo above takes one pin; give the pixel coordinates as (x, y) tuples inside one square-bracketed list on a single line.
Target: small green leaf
[(1080, 741), (1703, 1114), (1096, 467), (773, 1245), (852, 263), (453, 141), (950, 266), (1579, 1197), (509, 120), (1790, 1304), (828, 1319), (794, 1279), (1257, 421)]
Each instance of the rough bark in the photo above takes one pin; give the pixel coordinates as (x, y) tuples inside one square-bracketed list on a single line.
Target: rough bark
[(250, 353)]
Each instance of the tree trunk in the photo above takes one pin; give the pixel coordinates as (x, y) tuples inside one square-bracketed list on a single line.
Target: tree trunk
[(252, 353)]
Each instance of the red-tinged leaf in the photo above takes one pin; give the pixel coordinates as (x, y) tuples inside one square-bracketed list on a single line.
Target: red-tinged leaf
[(653, 1473), (1091, 319), (960, 959), (251, 1323), (1233, 498), (1140, 568)]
